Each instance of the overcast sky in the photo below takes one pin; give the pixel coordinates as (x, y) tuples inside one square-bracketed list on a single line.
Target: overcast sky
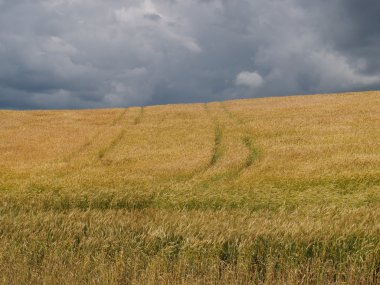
[(92, 53)]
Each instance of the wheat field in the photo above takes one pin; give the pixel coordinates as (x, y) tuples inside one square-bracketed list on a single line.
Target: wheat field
[(258, 191)]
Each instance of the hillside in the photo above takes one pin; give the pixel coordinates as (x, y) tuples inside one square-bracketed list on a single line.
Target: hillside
[(247, 191)]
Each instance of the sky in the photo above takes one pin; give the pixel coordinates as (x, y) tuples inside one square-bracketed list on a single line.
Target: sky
[(93, 54)]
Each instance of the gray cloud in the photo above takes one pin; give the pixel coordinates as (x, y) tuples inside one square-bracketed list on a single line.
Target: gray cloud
[(92, 53)]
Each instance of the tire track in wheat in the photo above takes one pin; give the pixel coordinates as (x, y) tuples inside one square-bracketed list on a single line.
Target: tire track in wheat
[(217, 151), (253, 152), (91, 141), (120, 136), (69, 169), (140, 116)]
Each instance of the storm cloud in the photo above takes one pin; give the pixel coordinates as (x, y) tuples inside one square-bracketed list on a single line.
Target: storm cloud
[(92, 53)]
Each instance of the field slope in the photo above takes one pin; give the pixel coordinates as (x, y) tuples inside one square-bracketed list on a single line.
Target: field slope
[(260, 191)]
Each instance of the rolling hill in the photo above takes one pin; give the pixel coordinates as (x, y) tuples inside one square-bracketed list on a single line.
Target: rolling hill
[(255, 191)]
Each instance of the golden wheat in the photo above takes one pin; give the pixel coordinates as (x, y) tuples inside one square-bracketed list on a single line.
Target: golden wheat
[(259, 191)]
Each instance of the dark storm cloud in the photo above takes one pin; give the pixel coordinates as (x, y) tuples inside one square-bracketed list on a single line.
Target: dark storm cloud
[(92, 53), (352, 28)]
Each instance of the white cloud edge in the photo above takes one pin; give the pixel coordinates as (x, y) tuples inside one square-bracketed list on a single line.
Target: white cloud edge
[(250, 79)]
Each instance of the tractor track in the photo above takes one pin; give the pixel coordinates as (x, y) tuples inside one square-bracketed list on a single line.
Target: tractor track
[(88, 143), (217, 151), (120, 136), (140, 116), (253, 152)]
